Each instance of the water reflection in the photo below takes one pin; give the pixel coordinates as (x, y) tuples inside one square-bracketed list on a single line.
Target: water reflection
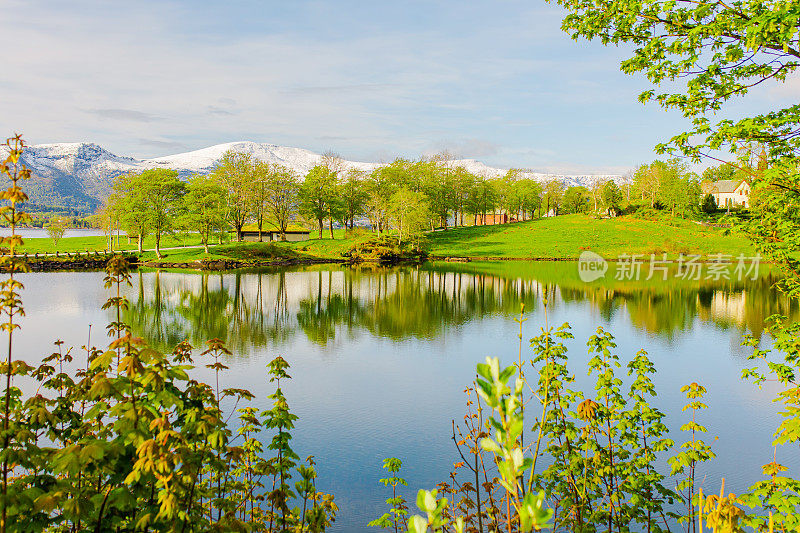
[(268, 307)]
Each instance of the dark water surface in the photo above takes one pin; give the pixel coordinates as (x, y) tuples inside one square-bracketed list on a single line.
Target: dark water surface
[(380, 357)]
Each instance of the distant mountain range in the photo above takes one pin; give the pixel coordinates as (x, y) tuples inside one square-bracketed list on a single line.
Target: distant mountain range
[(79, 175)]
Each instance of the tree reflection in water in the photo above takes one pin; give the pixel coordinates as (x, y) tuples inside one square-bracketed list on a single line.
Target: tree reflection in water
[(268, 307)]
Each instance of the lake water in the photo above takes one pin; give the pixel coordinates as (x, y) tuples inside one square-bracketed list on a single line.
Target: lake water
[(380, 357), (41, 233)]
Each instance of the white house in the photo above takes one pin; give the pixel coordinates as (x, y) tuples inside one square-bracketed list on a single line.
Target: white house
[(729, 193)]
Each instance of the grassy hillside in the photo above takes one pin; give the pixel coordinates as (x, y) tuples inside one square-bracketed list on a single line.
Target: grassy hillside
[(567, 236)]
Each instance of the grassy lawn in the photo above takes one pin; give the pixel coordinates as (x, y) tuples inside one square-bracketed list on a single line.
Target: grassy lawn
[(557, 237), (100, 243), (568, 235), (325, 248)]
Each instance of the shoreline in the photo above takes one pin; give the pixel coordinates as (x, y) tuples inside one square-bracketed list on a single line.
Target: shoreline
[(89, 263)]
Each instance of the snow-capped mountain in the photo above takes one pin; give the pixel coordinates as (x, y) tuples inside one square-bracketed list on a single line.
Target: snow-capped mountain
[(79, 175)]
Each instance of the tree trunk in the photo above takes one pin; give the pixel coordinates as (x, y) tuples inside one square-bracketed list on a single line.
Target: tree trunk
[(260, 224), (158, 245), (320, 227), (139, 242), (330, 226), (205, 245)]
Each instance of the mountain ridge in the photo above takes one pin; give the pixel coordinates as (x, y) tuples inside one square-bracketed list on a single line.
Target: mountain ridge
[(79, 175)]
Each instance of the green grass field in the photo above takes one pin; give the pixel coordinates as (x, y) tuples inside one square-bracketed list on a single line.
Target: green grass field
[(100, 243), (567, 236), (558, 237)]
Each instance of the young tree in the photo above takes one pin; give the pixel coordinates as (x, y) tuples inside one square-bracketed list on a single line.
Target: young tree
[(437, 184), (317, 193), (205, 207), (596, 192), (612, 197), (553, 196), (647, 181), (56, 227), (463, 181), (576, 199), (354, 196), (262, 174), (408, 212), (128, 204), (482, 199), (283, 197), (510, 198), (235, 174), (162, 193), (381, 184), (531, 192)]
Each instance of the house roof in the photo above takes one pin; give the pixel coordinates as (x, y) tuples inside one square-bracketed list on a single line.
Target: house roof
[(723, 186)]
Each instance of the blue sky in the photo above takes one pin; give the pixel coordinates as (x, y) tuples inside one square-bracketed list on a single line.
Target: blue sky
[(495, 81)]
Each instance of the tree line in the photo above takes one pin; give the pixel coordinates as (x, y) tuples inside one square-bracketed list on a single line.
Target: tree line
[(404, 196)]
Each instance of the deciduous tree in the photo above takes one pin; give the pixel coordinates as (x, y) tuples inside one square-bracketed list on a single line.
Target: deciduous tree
[(205, 207), (235, 173)]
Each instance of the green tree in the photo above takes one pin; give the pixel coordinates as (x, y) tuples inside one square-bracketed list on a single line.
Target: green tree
[(235, 173), (262, 174), (353, 190), (531, 192), (596, 192), (553, 196), (381, 184), (162, 193), (612, 197), (205, 207), (724, 171), (437, 184), (482, 199), (576, 199), (283, 197), (56, 227), (409, 213), (317, 193), (128, 205), (709, 203)]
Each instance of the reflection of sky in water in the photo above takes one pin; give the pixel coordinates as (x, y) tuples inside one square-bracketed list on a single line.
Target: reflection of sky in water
[(368, 389)]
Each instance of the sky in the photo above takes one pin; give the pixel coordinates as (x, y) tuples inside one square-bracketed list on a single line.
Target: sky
[(496, 81)]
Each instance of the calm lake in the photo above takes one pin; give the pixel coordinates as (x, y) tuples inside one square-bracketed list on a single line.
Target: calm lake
[(381, 356)]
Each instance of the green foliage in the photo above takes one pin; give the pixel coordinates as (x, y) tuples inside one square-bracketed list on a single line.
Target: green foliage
[(235, 173), (56, 227), (398, 509), (409, 214), (612, 197), (148, 202), (709, 203), (205, 207), (668, 185), (779, 494), (693, 452), (720, 51), (318, 196), (576, 200), (387, 250)]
